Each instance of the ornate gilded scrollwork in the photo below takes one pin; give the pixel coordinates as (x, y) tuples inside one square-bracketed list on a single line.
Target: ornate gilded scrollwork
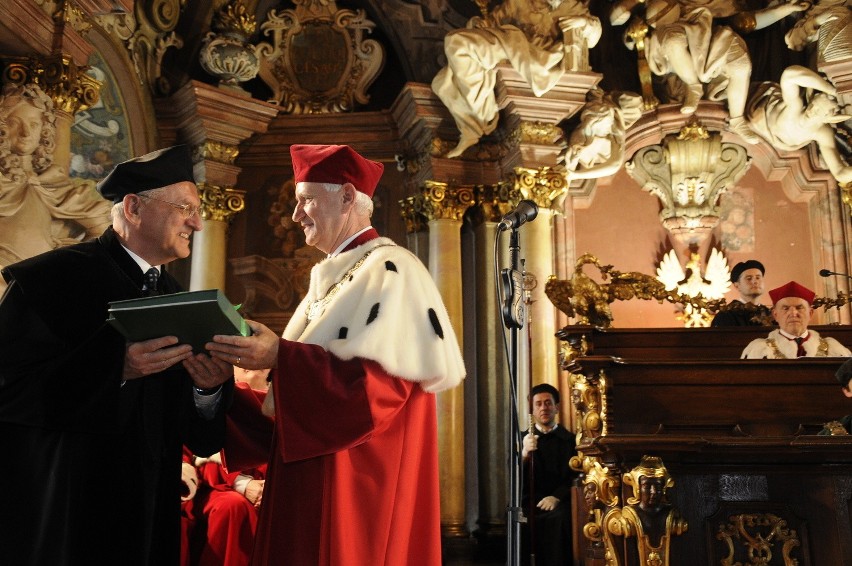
[(588, 396), (588, 302), (318, 60), (67, 84), (751, 538), (543, 185), (600, 492), (442, 201), (648, 516), (220, 203)]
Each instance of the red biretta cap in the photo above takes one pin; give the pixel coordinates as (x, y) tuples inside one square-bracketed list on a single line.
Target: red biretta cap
[(792, 289), (337, 164)]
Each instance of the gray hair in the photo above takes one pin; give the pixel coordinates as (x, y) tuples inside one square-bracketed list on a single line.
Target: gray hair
[(363, 203), (117, 211)]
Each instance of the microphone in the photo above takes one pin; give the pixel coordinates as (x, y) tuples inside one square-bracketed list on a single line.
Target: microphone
[(526, 211), (826, 273)]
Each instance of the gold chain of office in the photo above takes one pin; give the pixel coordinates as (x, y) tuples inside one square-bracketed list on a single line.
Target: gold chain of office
[(317, 307)]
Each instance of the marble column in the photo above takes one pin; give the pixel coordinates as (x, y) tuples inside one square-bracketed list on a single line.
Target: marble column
[(546, 188), (493, 388), (444, 207), (209, 246)]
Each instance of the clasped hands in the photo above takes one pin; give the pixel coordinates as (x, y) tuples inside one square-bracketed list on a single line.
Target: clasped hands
[(159, 354), (207, 370)]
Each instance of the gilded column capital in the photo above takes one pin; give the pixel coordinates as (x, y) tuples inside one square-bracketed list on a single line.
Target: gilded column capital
[(220, 203), (67, 84), (218, 151), (542, 185), (442, 202), (495, 201), (410, 210)]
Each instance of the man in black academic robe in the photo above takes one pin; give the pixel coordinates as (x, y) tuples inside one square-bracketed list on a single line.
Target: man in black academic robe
[(91, 428), (547, 482)]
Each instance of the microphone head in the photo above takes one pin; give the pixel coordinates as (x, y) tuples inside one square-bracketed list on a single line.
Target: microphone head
[(824, 273), (528, 209)]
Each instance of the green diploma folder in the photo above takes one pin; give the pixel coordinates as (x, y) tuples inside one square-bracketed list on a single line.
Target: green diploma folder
[(193, 316)]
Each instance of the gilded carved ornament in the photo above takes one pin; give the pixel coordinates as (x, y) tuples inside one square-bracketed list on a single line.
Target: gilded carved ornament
[(318, 60), (67, 84), (67, 13), (219, 152), (752, 539), (541, 133), (588, 397), (443, 202), (647, 516), (220, 203), (495, 201), (587, 301), (543, 185), (600, 492), (414, 221), (635, 38), (570, 350)]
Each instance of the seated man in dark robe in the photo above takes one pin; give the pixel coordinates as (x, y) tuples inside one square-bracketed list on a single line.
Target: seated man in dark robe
[(747, 277)]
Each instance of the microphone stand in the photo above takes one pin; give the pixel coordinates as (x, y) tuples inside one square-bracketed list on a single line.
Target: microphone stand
[(513, 317), (529, 285)]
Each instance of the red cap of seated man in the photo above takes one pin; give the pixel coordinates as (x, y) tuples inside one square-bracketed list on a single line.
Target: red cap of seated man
[(792, 289), (337, 164)]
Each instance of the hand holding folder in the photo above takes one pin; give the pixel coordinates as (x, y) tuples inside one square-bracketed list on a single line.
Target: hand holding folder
[(193, 316)]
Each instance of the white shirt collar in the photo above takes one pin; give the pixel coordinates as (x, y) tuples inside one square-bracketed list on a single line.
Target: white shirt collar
[(144, 265), (347, 241), (791, 336), (541, 430)]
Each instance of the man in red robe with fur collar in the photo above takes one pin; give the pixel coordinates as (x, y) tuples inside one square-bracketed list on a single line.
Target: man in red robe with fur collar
[(353, 473)]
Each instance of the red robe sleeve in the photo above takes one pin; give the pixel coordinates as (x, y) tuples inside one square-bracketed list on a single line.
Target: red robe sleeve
[(248, 435), (324, 404)]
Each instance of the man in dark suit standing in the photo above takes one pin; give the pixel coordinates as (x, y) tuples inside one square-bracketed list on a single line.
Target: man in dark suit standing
[(92, 427), (547, 482)]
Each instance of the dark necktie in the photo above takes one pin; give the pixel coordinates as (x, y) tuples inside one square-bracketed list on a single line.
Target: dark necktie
[(151, 278), (800, 349)]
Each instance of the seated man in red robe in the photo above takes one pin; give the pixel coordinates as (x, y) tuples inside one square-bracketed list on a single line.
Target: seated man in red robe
[(222, 515), (353, 472)]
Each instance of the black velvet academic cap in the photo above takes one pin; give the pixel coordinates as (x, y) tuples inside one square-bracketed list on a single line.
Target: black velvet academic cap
[(742, 266), (154, 170)]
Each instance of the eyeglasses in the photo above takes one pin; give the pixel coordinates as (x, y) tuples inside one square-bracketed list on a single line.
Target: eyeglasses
[(187, 211)]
